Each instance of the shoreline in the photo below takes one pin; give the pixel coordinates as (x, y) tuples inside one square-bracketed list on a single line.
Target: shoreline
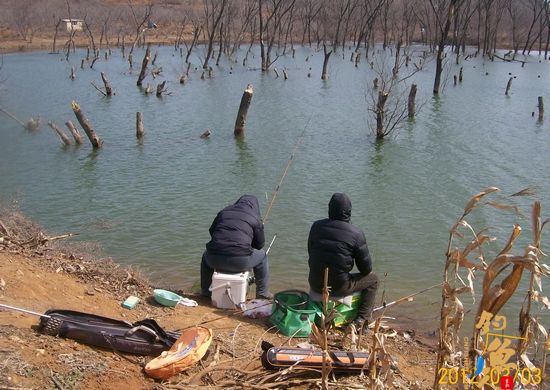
[(47, 276)]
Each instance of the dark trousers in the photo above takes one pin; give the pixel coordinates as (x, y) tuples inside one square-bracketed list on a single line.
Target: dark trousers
[(257, 261), (368, 285)]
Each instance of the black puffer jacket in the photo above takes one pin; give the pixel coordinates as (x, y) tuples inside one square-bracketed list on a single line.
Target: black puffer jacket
[(335, 243), (237, 229)]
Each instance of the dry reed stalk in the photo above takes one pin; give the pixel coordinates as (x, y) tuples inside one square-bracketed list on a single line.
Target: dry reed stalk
[(496, 289), (452, 309), (324, 333)]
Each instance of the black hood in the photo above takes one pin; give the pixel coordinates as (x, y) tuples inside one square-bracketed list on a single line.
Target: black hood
[(248, 202), (339, 207)]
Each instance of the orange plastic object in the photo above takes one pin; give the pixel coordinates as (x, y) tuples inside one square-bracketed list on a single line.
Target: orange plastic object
[(186, 352)]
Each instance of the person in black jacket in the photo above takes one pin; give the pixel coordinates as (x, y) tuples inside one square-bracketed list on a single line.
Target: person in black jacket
[(237, 239), (337, 244)]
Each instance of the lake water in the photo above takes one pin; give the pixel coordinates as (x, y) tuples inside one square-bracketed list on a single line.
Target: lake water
[(151, 203)]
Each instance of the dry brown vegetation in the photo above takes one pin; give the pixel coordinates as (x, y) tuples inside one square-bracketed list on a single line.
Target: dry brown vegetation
[(466, 261), (520, 25)]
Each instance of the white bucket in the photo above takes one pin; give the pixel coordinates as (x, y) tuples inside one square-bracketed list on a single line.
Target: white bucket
[(229, 290)]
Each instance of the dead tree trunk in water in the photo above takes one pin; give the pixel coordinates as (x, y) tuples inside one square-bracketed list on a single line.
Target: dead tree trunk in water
[(94, 139), (209, 13), (74, 131), (160, 88), (57, 24), (441, 47), (324, 75), (380, 113), (508, 86), (108, 89), (139, 125), (240, 122), (412, 103), (541, 108), (144, 65), (62, 136)]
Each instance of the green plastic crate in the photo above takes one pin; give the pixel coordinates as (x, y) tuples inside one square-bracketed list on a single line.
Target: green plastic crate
[(346, 313), (293, 313)]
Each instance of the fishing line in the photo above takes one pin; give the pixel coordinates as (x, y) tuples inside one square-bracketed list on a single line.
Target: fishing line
[(274, 196)]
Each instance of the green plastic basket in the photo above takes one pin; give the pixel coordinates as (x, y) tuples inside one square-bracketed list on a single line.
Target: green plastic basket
[(166, 298), (293, 313)]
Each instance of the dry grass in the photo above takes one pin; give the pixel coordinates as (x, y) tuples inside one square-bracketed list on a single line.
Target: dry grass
[(499, 285)]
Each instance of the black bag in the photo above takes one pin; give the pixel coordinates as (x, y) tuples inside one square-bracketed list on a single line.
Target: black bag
[(144, 337)]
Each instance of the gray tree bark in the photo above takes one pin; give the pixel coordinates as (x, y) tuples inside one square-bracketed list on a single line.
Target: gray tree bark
[(86, 125), (240, 122)]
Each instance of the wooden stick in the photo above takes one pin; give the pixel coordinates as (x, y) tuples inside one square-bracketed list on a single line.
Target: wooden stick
[(94, 139), (74, 131), (99, 89), (139, 125), (108, 89), (60, 133), (160, 88), (13, 117)]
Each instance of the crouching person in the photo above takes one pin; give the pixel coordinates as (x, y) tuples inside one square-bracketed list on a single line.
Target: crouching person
[(237, 239), (336, 244)]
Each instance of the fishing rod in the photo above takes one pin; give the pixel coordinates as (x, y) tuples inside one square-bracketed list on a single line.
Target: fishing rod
[(298, 141), (23, 310), (269, 247), (407, 298)]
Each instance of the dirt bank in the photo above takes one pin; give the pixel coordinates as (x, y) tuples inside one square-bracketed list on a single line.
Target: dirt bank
[(38, 279)]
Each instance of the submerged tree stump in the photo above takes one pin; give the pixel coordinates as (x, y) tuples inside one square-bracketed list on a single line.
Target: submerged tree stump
[(380, 114), (541, 108), (94, 139), (160, 88), (240, 122), (508, 86), (62, 136), (412, 101), (108, 89), (324, 74), (144, 63), (74, 131), (139, 125)]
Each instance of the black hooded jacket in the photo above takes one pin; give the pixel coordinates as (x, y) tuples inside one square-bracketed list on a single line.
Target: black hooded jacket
[(335, 243), (237, 229)]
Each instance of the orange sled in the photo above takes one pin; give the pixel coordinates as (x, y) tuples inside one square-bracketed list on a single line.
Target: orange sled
[(186, 352)]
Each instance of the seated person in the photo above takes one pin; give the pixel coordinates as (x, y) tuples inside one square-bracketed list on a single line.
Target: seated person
[(237, 239), (337, 244)]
